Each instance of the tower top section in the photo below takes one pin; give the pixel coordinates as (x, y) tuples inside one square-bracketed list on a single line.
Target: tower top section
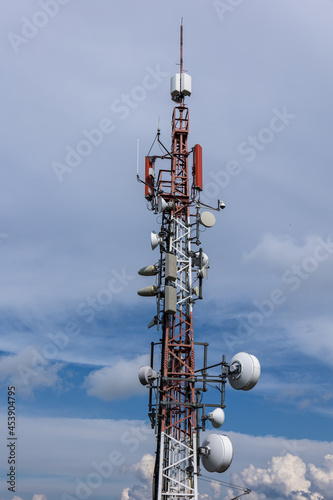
[(181, 83)]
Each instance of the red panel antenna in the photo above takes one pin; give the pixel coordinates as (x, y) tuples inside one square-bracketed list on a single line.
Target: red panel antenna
[(198, 167), (149, 179)]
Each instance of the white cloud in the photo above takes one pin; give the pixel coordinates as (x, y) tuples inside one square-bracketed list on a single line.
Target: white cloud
[(39, 497), (285, 474), (28, 370), (117, 381), (287, 477), (283, 477), (323, 477), (125, 494), (216, 488), (143, 471), (138, 492)]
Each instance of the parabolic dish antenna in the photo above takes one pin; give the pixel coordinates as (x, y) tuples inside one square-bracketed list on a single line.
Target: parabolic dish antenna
[(244, 371), (216, 417), (147, 375), (220, 453), (207, 219)]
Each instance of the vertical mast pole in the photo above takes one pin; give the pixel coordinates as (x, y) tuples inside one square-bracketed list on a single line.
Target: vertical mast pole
[(181, 47)]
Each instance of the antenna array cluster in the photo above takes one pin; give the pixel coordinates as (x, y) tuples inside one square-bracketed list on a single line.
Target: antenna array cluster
[(176, 407)]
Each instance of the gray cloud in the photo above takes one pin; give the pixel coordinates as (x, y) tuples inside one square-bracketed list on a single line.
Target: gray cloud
[(29, 370), (117, 381)]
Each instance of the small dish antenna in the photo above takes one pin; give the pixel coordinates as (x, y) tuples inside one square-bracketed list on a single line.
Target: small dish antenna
[(244, 371), (207, 219), (216, 417), (147, 375)]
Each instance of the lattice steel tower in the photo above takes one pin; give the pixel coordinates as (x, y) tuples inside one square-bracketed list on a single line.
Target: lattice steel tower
[(176, 410)]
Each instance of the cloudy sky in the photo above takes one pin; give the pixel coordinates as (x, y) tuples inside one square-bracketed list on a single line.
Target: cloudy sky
[(81, 81)]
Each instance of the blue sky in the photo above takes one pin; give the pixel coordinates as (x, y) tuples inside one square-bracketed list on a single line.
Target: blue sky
[(81, 82)]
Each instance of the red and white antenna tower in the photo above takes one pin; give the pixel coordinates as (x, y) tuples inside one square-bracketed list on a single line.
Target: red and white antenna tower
[(176, 408)]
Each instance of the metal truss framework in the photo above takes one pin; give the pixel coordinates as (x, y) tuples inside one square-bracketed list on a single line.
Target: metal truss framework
[(173, 469), (177, 462)]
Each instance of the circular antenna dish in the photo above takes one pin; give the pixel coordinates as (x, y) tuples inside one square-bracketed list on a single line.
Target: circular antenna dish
[(219, 453), (147, 375), (244, 371), (216, 417), (207, 219)]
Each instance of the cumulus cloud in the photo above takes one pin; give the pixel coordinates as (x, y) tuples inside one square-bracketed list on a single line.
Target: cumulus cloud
[(283, 477), (143, 471), (39, 497), (287, 477), (323, 478), (286, 474), (28, 370), (125, 494), (117, 381)]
